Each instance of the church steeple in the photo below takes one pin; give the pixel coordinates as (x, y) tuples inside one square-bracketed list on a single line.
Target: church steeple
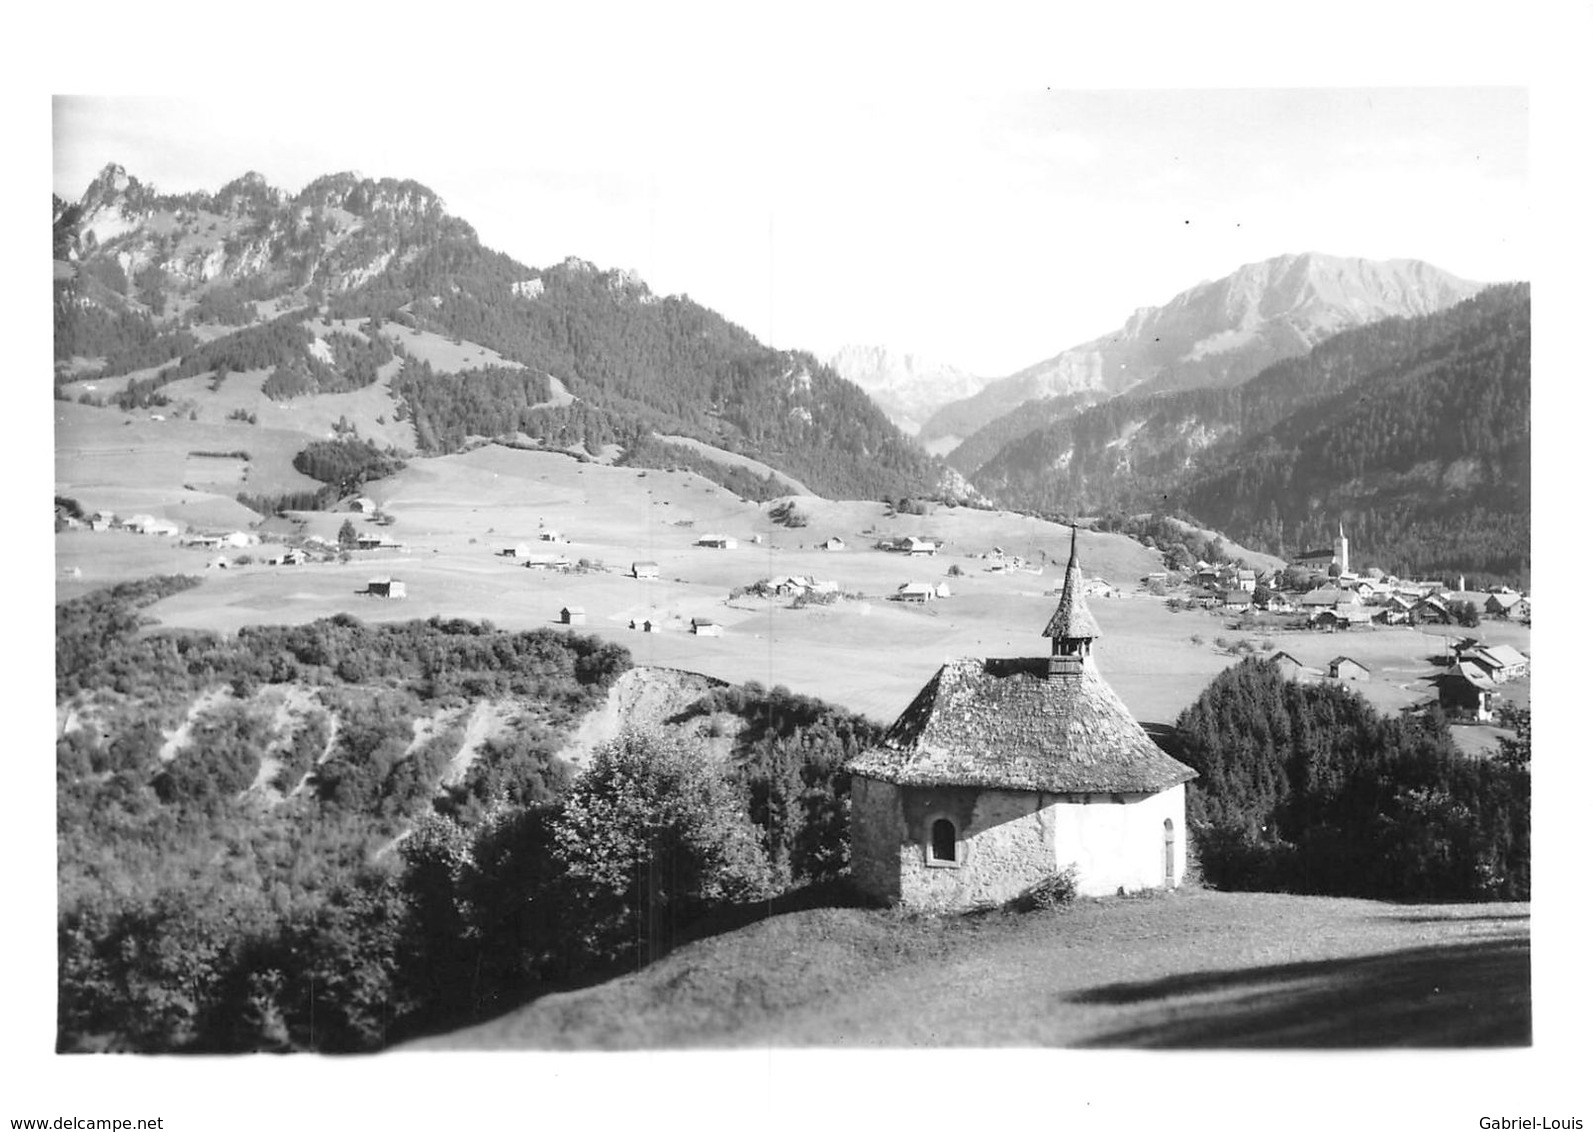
[(1072, 627)]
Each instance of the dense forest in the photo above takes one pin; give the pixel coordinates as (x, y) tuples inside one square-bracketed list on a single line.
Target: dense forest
[(1305, 787), (260, 846), (1412, 432)]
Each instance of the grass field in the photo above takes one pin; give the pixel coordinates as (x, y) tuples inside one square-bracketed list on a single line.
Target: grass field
[(1188, 970), (867, 653)]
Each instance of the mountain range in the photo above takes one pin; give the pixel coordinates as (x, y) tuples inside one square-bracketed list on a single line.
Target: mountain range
[(155, 287), (1412, 432), (1215, 333)]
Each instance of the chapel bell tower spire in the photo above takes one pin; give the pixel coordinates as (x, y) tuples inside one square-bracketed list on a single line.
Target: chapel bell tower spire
[(1072, 628)]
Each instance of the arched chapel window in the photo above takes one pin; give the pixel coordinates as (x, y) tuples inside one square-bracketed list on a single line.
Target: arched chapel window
[(943, 840)]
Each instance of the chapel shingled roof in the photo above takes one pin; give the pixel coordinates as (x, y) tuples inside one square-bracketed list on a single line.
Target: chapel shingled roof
[(1072, 617), (1003, 724)]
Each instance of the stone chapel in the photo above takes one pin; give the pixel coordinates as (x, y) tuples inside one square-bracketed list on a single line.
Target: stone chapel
[(1003, 772)]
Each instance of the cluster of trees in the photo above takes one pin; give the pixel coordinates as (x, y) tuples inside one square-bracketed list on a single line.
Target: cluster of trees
[(1306, 787), (223, 305), (1180, 547), (321, 499), (346, 463), (447, 408)]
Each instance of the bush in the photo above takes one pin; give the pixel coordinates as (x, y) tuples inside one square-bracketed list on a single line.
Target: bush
[(1055, 891), (650, 837)]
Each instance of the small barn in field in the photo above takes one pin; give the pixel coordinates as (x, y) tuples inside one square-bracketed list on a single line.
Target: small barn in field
[(644, 569), (1289, 667), (572, 615), (385, 587), (1003, 773), (1347, 668), (703, 627)]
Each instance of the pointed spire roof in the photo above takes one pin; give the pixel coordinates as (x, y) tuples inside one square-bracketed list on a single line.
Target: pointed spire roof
[(1072, 618)]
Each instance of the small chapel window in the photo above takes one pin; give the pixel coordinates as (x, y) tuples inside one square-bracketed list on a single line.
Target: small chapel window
[(943, 840)]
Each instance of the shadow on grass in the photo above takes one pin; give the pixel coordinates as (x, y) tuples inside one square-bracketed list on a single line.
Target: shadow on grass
[(1472, 994)]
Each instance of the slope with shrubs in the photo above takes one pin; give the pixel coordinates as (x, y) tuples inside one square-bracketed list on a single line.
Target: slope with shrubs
[(227, 810)]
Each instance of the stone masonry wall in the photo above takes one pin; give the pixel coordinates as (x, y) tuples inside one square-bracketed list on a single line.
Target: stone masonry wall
[(1005, 843), (877, 832)]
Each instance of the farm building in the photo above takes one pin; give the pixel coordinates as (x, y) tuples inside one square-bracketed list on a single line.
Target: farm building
[(1004, 772), (1503, 605), (1245, 580), (703, 627), (832, 543), (547, 562), (918, 547), (549, 535), (1500, 662), (1347, 668), (644, 569), (1466, 690), (1326, 597), (1236, 600), (376, 542), (219, 562), (650, 626), (385, 587), (519, 550), (943, 589), (915, 591), (363, 505), (1289, 667), (572, 615), (149, 525), (294, 557), (717, 542)]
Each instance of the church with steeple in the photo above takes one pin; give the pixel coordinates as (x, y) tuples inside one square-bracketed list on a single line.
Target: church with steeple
[(1004, 772)]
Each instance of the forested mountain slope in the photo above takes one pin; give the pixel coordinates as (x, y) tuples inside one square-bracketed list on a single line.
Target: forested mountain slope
[(1216, 333), (1413, 432), (162, 287)]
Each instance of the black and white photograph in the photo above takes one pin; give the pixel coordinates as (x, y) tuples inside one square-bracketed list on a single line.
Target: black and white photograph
[(763, 552)]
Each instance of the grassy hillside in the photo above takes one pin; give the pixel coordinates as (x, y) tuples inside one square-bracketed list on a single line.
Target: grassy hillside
[(1191, 970)]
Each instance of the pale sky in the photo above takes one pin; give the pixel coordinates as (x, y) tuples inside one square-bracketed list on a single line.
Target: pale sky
[(986, 228)]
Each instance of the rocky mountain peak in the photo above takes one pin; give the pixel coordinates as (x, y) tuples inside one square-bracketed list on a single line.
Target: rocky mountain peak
[(1221, 332)]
